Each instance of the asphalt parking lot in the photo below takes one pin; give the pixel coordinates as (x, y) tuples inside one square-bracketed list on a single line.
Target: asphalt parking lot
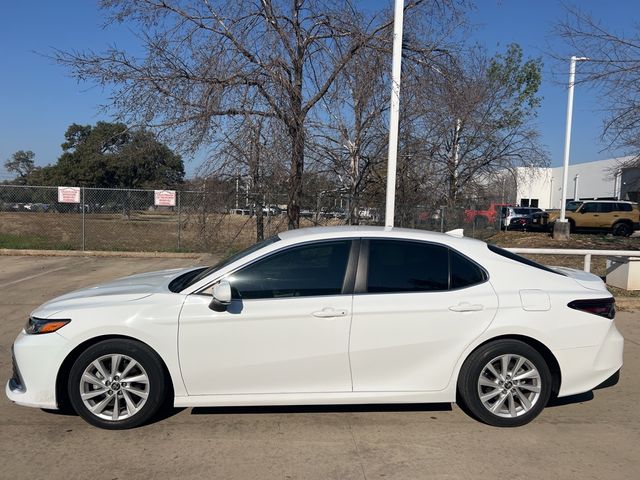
[(592, 436)]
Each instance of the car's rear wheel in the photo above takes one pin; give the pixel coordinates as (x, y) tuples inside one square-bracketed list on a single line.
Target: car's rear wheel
[(622, 229), (505, 383), (117, 384)]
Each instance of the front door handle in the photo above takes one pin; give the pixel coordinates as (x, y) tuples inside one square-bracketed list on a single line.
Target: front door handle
[(329, 313), (466, 307)]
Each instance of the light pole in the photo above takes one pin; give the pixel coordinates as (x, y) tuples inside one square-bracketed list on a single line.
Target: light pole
[(561, 227), (394, 114)]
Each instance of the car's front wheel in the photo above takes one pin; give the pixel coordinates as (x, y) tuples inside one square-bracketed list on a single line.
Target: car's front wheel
[(505, 383), (117, 384)]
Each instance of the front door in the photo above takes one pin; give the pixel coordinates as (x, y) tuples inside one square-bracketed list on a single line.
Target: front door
[(286, 330)]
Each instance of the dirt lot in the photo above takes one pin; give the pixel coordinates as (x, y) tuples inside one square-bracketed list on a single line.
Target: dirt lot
[(588, 437)]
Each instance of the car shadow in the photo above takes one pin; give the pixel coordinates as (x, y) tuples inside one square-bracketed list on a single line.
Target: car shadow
[(360, 408), (571, 399)]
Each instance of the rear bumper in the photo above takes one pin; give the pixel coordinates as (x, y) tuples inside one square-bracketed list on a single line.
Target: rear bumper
[(609, 382), (586, 368)]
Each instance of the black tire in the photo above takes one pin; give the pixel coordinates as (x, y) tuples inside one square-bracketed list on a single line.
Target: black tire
[(141, 361), (518, 394), (572, 226), (622, 229)]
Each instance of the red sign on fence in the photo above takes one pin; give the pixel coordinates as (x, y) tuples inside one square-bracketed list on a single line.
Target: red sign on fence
[(164, 198), (69, 194)]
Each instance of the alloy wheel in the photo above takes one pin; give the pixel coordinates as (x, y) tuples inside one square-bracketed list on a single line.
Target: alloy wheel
[(509, 385)]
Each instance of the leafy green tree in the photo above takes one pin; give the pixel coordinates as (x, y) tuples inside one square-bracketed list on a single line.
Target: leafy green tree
[(114, 156), (22, 164)]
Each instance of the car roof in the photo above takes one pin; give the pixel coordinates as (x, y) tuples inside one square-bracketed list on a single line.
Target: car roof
[(346, 231)]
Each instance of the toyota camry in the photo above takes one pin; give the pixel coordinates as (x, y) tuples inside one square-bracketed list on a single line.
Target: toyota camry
[(341, 315)]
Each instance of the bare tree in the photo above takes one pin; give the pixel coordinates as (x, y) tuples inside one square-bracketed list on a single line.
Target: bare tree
[(614, 68), (477, 118), (250, 151), (208, 60)]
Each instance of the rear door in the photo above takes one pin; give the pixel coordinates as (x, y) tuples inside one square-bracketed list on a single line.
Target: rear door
[(416, 307)]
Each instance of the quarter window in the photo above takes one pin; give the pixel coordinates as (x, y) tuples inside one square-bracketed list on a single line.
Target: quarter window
[(464, 273), (306, 270)]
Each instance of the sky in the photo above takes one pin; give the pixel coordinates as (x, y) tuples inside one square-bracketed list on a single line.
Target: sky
[(38, 99)]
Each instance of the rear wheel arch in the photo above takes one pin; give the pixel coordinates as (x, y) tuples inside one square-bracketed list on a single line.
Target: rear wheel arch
[(540, 347), (615, 228), (62, 396)]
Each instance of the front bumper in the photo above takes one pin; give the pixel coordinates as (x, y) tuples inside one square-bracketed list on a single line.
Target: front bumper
[(36, 359)]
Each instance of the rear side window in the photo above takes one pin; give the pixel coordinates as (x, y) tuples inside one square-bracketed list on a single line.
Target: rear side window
[(518, 258), (464, 273), (397, 266), (607, 207)]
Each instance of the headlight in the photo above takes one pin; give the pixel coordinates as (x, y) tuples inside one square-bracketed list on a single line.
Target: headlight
[(35, 326)]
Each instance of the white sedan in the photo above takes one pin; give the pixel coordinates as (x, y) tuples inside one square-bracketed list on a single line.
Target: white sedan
[(342, 315)]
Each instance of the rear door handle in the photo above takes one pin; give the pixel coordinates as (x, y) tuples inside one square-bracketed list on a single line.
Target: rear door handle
[(329, 313), (466, 307)]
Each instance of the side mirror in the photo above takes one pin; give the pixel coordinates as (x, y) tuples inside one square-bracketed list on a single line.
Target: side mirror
[(221, 296)]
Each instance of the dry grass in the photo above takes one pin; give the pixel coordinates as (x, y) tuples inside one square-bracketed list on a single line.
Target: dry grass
[(142, 231)]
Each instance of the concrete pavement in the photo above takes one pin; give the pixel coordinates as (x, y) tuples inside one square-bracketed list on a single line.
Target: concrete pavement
[(590, 437)]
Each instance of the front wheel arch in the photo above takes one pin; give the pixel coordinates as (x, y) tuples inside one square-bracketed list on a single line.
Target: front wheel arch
[(62, 396), (540, 347)]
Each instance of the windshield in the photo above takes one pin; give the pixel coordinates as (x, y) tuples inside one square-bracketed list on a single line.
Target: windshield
[(243, 253), (573, 206)]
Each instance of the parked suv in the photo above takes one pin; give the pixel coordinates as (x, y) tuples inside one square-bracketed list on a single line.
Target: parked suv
[(511, 216), (620, 218)]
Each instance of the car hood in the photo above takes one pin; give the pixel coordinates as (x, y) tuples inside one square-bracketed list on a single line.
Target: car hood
[(126, 289), (586, 279)]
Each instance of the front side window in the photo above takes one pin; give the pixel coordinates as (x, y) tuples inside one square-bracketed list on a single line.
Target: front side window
[(573, 206), (307, 270), (398, 266), (590, 208)]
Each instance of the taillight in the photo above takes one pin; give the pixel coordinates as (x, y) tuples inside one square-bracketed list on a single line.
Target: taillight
[(605, 307)]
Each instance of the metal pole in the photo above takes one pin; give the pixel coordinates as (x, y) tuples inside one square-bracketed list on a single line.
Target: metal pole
[(394, 115), (575, 186), (567, 135), (82, 190), (178, 193)]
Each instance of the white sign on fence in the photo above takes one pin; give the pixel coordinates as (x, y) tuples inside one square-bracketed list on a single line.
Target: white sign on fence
[(69, 194), (164, 198)]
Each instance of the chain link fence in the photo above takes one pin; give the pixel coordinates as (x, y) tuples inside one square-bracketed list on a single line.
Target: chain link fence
[(221, 221)]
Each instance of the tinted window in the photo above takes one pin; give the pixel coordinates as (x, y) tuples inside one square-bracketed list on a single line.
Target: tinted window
[(464, 273), (227, 261), (307, 270), (607, 207), (624, 207), (590, 208), (399, 266), (573, 206)]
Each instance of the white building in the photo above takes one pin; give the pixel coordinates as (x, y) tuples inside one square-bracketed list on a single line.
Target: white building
[(600, 179)]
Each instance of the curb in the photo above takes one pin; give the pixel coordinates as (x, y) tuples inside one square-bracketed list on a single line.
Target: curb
[(97, 253)]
